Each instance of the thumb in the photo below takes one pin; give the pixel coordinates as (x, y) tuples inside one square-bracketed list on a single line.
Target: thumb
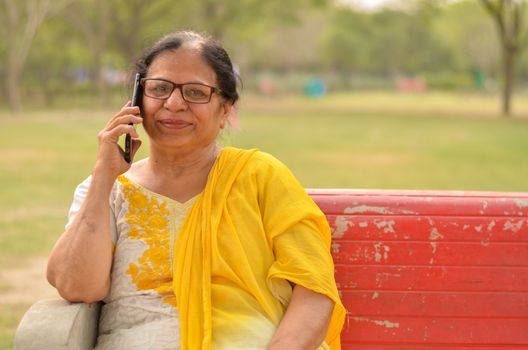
[(136, 143)]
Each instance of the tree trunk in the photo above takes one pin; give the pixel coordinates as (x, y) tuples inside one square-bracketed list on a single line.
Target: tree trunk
[(509, 79), (99, 49), (12, 85)]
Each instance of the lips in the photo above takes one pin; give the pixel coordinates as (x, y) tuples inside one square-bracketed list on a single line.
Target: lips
[(174, 123)]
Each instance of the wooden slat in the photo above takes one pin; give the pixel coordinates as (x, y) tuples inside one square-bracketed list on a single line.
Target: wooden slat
[(441, 304), (333, 192), (437, 330), (432, 278), (431, 206), (430, 346), (433, 228), (430, 253)]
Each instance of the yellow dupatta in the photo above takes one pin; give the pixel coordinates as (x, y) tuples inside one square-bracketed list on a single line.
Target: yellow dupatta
[(251, 230)]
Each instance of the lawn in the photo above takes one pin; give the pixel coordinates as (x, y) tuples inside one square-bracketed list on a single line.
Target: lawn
[(369, 140)]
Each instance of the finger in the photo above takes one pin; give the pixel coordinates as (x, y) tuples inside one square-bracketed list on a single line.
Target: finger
[(112, 136), (133, 110), (124, 119)]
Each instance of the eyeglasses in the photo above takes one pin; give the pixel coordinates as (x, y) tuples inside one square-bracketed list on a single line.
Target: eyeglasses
[(191, 92)]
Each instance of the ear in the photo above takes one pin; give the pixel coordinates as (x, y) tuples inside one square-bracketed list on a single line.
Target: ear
[(225, 111)]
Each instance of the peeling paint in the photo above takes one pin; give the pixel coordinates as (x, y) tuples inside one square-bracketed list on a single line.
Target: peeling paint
[(384, 276), (521, 203), (485, 242), (386, 225), (406, 236), (484, 204), (336, 247), (367, 208), (478, 228), (352, 285), (384, 323), (466, 227), (435, 235), (509, 226), (378, 254), (375, 296), (491, 225), (434, 246), (363, 224), (341, 225)]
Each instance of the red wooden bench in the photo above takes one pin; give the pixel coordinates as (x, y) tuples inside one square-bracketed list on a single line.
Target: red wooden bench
[(430, 269), (416, 270)]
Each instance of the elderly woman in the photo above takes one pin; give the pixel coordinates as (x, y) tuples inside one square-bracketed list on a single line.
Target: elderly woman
[(195, 247)]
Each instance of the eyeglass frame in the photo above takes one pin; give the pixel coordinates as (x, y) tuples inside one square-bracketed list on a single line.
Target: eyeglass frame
[(214, 89)]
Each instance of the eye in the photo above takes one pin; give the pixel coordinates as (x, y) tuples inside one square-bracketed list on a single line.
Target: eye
[(196, 91), (158, 88), (161, 87)]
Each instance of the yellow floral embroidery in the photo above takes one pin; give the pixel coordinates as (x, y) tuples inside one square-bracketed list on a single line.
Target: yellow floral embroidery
[(148, 220)]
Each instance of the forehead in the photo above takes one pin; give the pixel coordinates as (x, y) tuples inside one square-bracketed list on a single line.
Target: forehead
[(183, 64)]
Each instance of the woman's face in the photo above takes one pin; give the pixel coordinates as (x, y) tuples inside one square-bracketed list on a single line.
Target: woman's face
[(174, 123)]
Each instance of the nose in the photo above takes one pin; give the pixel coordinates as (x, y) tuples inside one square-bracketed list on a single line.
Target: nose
[(175, 100)]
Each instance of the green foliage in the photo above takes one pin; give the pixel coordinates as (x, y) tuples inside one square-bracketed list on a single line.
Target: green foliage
[(438, 39), (389, 42), (467, 31)]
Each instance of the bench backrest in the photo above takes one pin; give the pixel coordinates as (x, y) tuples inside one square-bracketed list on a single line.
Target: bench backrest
[(430, 269)]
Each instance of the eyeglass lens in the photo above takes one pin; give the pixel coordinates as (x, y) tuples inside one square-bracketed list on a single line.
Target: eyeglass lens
[(190, 92)]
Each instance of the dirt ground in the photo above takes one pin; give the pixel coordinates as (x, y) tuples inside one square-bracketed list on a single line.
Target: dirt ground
[(26, 283)]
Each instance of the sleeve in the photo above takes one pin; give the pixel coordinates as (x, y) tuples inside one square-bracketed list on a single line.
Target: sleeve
[(78, 199), (300, 238)]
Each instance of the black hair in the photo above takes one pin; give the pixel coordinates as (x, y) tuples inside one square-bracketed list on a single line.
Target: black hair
[(211, 50)]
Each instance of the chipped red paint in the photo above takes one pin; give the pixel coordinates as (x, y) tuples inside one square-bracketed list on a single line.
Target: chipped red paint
[(430, 269)]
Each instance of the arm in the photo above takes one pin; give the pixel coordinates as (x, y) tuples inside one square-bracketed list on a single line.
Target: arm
[(305, 323), (80, 263)]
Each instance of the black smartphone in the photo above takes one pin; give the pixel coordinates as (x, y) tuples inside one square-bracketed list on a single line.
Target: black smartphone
[(135, 102)]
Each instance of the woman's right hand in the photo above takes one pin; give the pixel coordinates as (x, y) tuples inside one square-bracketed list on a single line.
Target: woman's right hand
[(110, 160)]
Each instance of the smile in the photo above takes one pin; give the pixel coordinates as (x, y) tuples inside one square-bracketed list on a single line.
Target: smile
[(174, 124)]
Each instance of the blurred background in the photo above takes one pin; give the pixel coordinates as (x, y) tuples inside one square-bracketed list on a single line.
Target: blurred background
[(409, 94)]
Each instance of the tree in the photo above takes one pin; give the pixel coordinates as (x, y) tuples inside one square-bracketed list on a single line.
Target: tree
[(470, 37), (509, 17), (21, 20), (92, 18)]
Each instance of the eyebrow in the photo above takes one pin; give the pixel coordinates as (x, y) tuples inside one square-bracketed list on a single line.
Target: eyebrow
[(187, 82)]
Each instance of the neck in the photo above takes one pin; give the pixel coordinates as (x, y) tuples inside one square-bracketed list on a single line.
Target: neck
[(167, 163)]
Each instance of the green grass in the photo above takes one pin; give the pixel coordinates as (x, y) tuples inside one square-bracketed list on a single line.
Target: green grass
[(333, 142), (370, 140), (404, 152)]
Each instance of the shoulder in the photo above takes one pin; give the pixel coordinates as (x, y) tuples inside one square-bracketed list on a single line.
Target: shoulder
[(257, 160), (82, 188), (266, 170)]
